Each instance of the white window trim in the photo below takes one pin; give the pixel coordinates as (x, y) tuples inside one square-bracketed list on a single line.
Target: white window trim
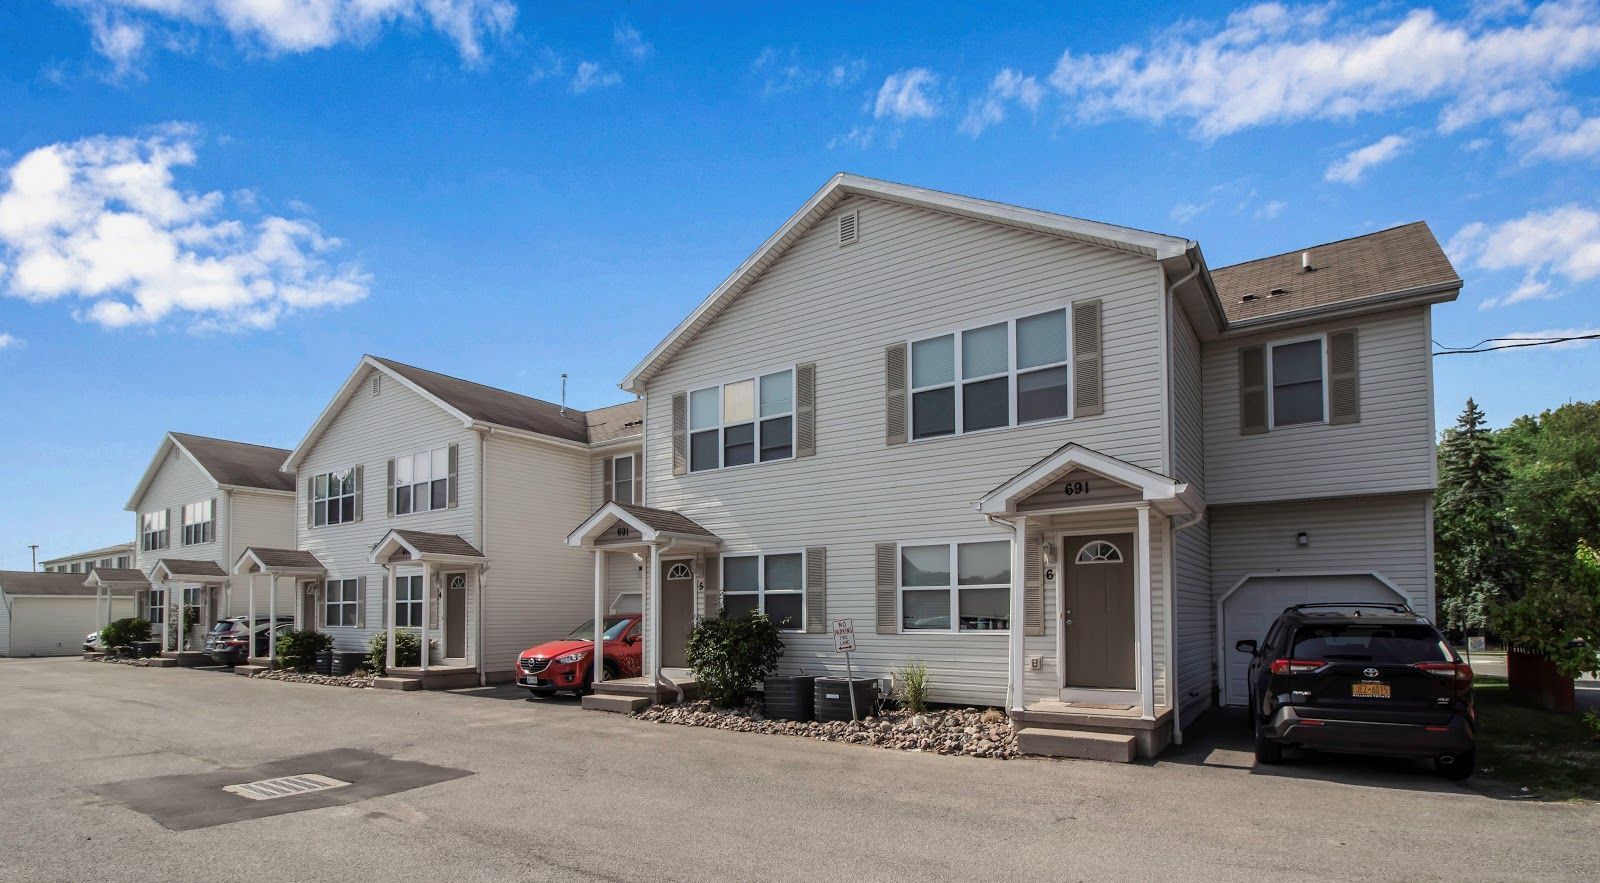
[(954, 588), (395, 602), (761, 581), (633, 480), (689, 432), (1010, 373), (144, 531), (1272, 414), (155, 606), (328, 473), (328, 603), (183, 518), (413, 483)]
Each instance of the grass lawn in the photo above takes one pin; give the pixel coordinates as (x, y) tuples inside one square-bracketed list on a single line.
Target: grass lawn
[(1553, 755)]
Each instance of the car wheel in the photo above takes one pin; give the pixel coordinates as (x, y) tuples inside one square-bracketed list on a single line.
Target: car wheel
[(1457, 766), (1268, 752), (541, 692)]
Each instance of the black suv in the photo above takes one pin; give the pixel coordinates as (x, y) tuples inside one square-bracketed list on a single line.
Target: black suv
[(1364, 679), (227, 642)]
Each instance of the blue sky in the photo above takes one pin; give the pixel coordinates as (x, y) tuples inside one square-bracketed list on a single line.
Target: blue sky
[(210, 208)]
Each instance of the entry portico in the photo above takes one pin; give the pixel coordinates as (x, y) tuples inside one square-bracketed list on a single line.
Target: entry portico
[(658, 537), (196, 584), (425, 569), (1090, 532), (295, 565), (108, 582)]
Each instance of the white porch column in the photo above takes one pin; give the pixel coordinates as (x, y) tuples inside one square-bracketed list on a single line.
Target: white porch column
[(272, 620), (99, 607), (599, 616), (1147, 674), (389, 617), (654, 614), (1018, 624), (166, 616), (427, 601), (250, 631)]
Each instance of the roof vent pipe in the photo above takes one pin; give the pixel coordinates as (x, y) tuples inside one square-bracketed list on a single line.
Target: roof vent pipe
[(1305, 261), (563, 393)]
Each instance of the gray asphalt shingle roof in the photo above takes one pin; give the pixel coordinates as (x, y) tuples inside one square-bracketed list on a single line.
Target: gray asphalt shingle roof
[(666, 520), (26, 582), (438, 543), (517, 411), (239, 463)]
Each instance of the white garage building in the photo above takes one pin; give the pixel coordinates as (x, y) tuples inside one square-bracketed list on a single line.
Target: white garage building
[(48, 614)]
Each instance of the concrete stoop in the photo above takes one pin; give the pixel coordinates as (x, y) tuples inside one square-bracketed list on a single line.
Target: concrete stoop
[(181, 659), (1081, 744), (615, 702), (248, 670), (397, 683)]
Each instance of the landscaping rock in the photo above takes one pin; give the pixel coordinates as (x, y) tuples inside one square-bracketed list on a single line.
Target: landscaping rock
[(117, 660), (964, 731), (356, 681)]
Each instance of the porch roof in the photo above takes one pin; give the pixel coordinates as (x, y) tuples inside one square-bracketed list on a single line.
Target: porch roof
[(204, 572), (283, 562), (652, 525), (421, 546), (1162, 492), (117, 579)]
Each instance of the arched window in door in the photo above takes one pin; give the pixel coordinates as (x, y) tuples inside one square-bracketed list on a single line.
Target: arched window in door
[(1099, 552), (680, 570)]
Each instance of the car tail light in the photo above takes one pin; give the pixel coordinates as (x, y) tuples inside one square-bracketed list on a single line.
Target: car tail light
[(1459, 674), (1295, 666)]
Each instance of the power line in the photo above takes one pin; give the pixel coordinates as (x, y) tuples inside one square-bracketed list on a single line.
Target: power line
[(1509, 343)]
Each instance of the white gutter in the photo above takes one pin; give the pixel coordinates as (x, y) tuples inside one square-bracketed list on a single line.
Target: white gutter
[(1172, 650), (483, 539)]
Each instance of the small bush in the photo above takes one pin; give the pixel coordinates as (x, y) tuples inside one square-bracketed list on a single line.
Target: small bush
[(730, 656), (298, 650), (125, 632), (407, 651), (911, 686)]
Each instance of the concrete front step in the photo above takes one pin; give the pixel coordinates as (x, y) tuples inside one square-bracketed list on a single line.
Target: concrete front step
[(1082, 744), (614, 702), (397, 683), (248, 670)]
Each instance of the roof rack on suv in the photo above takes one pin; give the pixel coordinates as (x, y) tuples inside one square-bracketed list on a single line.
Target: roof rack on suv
[(1380, 605)]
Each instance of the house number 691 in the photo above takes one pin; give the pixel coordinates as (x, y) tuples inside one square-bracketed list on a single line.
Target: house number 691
[(1074, 488)]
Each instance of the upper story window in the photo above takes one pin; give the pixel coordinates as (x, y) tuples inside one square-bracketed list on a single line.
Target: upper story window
[(342, 602), (122, 562), (1296, 372), (199, 523), (973, 595), (153, 530), (422, 481), (740, 423), (624, 484), (1001, 374), (333, 497), (773, 584)]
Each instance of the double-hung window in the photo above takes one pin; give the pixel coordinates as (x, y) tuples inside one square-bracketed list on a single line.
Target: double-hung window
[(422, 481), (1297, 388), (342, 602), (623, 480), (955, 586), (744, 422), (333, 497), (199, 524), (153, 530), (158, 607), (773, 584), (408, 601), (1001, 374)]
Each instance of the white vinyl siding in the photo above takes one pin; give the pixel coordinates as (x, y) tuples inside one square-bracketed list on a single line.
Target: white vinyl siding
[(1390, 450), (919, 274), (44, 625)]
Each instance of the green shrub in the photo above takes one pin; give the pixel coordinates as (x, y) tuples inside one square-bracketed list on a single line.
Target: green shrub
[(911, 686), (298, 650), (407, 651), (125, 632), (730, 656)]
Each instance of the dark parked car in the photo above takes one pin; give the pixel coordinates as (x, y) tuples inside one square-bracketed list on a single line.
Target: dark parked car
[(227, 640), (1361, 679)]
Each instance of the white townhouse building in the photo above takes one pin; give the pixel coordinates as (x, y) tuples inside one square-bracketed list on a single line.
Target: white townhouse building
[(199, 504), (1065, 464), (435, 504), (119, 556)]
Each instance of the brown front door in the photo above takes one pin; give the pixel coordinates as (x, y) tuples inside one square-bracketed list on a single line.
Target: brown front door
[(1098, 612), (677, 612), (308, 606), (455, 616)]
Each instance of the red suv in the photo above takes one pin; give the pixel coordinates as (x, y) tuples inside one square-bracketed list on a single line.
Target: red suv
[(568, 664)]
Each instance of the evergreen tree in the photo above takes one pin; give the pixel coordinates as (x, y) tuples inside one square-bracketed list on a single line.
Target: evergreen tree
[(1473, 538)]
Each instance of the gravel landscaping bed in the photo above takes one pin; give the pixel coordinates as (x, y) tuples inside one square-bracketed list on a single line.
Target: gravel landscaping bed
[(968, 731), (360, 681), (117, 660)]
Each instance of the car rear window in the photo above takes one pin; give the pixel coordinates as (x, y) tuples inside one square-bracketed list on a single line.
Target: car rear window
[(226, 625), (1360, 642)]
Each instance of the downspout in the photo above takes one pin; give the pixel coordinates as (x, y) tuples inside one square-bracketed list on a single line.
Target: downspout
[(1018, 629), (1167, 305), (1172, 668), (227, 554), (483, 537)]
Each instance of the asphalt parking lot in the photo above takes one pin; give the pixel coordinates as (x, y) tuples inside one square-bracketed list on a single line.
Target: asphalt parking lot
[(485, 785)]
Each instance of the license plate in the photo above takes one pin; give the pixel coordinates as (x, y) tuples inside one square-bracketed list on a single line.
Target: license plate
[(1371, 691)]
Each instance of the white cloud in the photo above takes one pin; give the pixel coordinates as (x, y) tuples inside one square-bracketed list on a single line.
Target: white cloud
[(630, 42), (120, 27), (1273, 64), (782, 72), (1184, 212), (547, 63), (1563, 133), (103, 220), (1553, 333), (1271, 210), (846, 72), (1007, 86), (1349, 168), (1562, 242), (904, 95), (7, 341), (859, 137), (591, 75)]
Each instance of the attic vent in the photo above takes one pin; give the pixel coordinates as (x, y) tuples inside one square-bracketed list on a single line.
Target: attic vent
[(849, 228), (1248, 298), (377, 383), (1277, 291)]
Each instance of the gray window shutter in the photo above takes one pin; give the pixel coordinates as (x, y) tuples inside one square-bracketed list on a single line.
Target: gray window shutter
[(607, 481), (805, 410), (216, 516), (894, 394), (454, 487), (680, 430), (361, 606), (383, 601), (311, 502), (319, 604), (1088, 358), (1252, 390), (174, 524), (1033, 585), (388, 491), (361, 490), (1344, 378), (816, 589), (884, 573), (711, 587)]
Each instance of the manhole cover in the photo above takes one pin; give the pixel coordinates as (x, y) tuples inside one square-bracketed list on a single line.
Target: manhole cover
[(284, 786)]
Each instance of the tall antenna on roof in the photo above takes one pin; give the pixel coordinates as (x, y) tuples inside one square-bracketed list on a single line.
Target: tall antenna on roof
[(563, 393)]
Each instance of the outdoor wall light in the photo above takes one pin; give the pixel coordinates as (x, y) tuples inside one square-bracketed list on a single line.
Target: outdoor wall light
[(1047, 551), (1302, 539)]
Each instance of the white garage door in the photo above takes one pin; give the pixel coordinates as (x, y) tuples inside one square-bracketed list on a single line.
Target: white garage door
[(1249, 612)]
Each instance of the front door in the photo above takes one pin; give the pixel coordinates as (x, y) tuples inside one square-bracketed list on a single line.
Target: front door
[(677, 612), (308, 606), (455, 616), (1098, 612)]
